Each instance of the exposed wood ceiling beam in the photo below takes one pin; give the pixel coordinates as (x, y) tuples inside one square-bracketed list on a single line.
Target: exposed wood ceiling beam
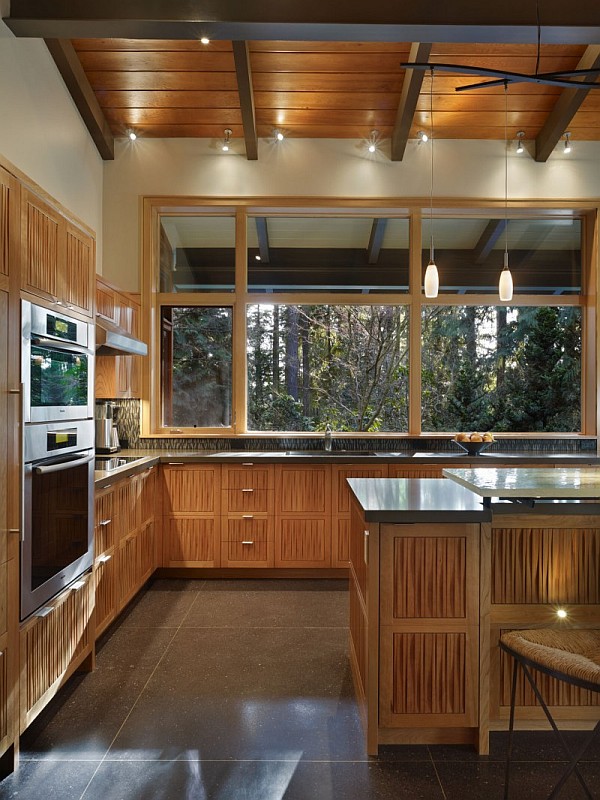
[(411, 88), (565, 108), (488, 239), (241, 57), (576, 22), (376, 240), (263, 239), (76, 81)]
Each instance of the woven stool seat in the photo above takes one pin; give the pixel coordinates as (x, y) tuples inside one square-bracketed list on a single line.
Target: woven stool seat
[(572, 656), (575, 653)]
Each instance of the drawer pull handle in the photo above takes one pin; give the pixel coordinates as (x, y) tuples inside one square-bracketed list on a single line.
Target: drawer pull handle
[(366, 547), (104, 559), (175, 463), (104, 523), (247, 542), (247, 463), (247, 516), (78, 585), (44, 611), (247, 490)]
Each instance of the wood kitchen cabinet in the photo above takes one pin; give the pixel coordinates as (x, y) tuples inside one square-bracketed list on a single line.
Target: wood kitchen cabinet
[(191, 501), (57, 258), (108, 523), (303, 516), (340, 522), (247, 522), (118, 376), (54, 643)]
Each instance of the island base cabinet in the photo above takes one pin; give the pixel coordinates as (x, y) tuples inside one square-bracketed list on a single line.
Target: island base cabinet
[(54, 645)]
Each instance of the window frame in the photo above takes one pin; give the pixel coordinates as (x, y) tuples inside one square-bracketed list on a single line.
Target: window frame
[(245, 209)]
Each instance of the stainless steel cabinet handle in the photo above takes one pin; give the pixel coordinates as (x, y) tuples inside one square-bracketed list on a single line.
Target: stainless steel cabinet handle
[(247, 516), (174, 463), (63, 465), (247, 463), (77, 586), (104, 559), (14, 391), (44, 611), (366, 547), (14, 530), (247, 542), (247, 490), (104, 523)]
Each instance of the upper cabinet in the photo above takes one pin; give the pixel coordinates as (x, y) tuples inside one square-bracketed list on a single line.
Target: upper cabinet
[(9, 224), (117, 376), (58, 259)]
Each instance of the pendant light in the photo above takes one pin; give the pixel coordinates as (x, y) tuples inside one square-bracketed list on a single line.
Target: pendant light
[(505, 286), (431, 284)]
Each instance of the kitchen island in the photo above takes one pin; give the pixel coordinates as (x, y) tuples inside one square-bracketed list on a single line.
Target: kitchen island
[(436, 578)]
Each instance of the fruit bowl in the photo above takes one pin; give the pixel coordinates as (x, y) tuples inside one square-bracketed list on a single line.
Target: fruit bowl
[(473, 448)]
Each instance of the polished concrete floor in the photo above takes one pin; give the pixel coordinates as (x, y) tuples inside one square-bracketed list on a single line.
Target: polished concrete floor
[(241, 690)]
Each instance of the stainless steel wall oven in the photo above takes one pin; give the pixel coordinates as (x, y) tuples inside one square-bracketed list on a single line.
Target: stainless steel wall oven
[(57, 365), (57, 373)]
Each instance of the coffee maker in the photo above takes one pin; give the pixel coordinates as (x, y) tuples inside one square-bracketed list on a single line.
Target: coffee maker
[(107, 437)]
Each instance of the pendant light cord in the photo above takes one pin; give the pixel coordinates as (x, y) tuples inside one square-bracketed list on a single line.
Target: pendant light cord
[(431, 258), (505, 170)]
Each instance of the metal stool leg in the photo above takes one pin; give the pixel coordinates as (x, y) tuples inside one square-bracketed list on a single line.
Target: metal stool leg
[(572, 761), (511, 725)]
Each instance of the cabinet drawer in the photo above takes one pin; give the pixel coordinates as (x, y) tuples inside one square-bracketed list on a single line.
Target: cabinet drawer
[(248, 475), (247, 554), (247, 529), (247, 499)]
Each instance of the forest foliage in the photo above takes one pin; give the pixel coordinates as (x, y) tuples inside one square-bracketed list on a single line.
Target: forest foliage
[(482, 368)]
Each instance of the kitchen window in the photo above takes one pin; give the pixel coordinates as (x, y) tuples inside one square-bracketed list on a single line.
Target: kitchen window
[(291, 319)]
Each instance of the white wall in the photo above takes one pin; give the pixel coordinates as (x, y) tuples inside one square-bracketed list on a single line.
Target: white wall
[(324, 168), (41, 132)]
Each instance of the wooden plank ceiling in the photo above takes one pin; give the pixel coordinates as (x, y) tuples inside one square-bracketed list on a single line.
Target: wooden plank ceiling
[(162, 88)]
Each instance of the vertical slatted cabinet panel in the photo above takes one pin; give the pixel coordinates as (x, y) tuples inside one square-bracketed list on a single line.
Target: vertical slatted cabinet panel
[(105, 563), (538, 564), (303, 516), (341, 507), (80, 270), (429, 626), (53, 646), (247, 521), (42, 247), (191, 501)]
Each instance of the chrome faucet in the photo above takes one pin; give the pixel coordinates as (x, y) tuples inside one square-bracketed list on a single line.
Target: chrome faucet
[(327, 438)]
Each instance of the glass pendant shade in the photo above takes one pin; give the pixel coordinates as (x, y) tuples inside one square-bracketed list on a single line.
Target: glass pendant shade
[(505, 286), (432, 280)]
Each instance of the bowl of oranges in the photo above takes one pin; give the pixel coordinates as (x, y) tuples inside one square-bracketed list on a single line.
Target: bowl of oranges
[(474, 443)]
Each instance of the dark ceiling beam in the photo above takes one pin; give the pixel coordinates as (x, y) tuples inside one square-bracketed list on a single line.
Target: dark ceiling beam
[(263, 239), (243, 71), (376, 240), (76, 81), (487, 240), (565, 108), (411, 88), (575, 22)]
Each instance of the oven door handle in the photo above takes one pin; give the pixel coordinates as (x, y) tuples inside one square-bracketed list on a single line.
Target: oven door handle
[(70, 347), (62, 465)]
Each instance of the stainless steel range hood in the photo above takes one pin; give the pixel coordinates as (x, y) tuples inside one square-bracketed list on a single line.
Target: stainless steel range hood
[(113, 341)]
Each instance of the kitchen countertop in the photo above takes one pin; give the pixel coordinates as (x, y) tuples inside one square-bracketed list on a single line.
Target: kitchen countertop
[(147, 458), (405, 500)]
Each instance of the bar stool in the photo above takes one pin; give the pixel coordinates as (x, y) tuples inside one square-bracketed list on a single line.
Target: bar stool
[(571, 656)]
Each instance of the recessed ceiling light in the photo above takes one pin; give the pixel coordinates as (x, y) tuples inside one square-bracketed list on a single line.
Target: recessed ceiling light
[(205, 40), (568, 147), (257, 257), (423, 137), (132, 135), (226, 140)]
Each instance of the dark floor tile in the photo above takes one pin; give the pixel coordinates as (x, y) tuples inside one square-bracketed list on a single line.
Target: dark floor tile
[(48, 780), (282, 585), (263, 780), (288, 605), (529, 780), (82, 720), (163, 605), (246, 694)]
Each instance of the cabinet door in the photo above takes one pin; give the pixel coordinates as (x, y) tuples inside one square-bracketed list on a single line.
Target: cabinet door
[(191, 542), (105, 522), (80, 271), (303, 489), (53, 646), (301, 542), (9, 224), (106, 303), (191, 489), (42, 246), (106, 590)]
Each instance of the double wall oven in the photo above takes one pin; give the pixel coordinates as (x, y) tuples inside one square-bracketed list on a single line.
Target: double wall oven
[(57, 366)]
